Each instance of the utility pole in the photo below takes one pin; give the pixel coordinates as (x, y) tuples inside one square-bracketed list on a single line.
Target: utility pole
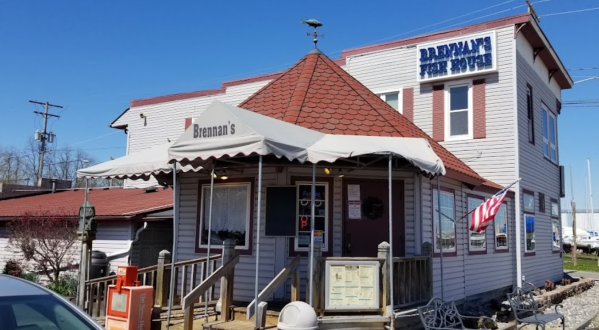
[(573, 204), (44, 136)]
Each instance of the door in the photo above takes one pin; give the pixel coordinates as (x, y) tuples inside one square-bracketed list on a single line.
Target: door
[(366, 217)]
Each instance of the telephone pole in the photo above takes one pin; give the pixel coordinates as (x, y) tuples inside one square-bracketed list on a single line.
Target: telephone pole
[(44, 136)]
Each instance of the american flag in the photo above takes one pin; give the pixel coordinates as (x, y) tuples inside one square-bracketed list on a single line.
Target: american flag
[(485, 213)]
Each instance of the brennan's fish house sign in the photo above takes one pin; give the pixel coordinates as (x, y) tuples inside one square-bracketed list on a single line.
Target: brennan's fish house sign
[(213, 131), (457, 57)]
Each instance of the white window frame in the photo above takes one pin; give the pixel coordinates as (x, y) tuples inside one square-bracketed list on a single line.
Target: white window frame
[(325, 247), (507, 229), (436, 222), (470, 232), (555, 223), (249, 231), (447, 117), (533, 233), (551, 145), (398, 91)]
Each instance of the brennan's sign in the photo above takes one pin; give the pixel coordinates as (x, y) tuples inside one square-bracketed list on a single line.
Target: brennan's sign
[(200, 132)]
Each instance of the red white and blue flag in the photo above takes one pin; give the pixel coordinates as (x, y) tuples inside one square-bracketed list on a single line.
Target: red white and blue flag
[(485, 213)]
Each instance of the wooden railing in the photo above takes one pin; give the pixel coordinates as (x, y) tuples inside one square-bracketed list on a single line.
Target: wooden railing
[(226, 274), (412, 280), (290, 270), (157, 276)]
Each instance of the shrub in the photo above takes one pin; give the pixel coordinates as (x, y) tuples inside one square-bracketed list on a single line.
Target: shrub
[(31, 277), (13, 268), (65, 286)]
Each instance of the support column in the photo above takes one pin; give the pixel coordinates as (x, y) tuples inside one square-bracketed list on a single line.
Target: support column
[(384, 253)]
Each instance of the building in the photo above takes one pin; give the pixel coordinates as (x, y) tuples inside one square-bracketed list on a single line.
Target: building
[(487, 98), (118, 222)]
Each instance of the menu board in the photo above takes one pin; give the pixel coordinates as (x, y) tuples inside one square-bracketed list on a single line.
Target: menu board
[(352, 285)]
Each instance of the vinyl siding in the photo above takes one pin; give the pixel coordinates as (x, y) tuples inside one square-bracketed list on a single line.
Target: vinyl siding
[(538, 173), (113, 237)]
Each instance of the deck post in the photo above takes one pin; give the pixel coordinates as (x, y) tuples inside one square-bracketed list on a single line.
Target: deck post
[(162, 279), (383, 253), (315, 278), (295, 285), (427, 250), (226, 282)]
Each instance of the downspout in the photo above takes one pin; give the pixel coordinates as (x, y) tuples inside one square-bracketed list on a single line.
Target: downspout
[(517, 168), (123, 253)]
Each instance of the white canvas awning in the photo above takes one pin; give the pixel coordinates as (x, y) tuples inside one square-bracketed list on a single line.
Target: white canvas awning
[(225, 130), (139, 165)]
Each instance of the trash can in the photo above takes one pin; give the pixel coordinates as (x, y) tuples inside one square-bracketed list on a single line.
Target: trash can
[(99, 265), (297, 315)]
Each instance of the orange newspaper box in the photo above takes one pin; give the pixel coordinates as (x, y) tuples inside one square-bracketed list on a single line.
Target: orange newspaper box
[(129, 305)]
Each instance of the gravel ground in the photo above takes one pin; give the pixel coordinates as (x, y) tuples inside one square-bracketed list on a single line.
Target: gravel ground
[(578, 309)]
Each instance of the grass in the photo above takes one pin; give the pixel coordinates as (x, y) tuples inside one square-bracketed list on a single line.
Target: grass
[(586, 263)]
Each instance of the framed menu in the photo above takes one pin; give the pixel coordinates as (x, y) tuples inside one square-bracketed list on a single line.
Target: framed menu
[(352, 285)]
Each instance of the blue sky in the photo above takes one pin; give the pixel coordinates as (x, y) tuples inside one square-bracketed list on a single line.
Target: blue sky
[(95, 57)]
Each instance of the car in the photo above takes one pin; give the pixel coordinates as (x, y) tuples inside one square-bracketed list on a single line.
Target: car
[(25, 305)]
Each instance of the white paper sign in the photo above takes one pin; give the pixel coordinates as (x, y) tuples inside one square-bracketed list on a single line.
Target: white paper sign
[(355, 210), (353, 192)]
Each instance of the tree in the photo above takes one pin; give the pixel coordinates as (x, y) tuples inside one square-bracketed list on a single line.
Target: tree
[(45, 240)]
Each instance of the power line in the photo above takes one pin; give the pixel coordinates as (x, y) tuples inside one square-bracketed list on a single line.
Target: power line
[(570, 12)]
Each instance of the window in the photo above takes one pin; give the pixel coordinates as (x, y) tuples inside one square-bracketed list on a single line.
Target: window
[(393, 99), (549, 135), (554, 208), (541, 202), (529, 201), (458, 111), (230, 214), (531, 115), (304, 214), (556, 239), (501, 236), (529, 221), (447, 235), (478, 241)]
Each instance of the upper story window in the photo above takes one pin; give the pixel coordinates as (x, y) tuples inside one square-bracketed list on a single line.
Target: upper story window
[(529, 201), (304, 215), (393, 98), (230, 215), (531, 115), (549, 135), (458, 111), (445, 235)]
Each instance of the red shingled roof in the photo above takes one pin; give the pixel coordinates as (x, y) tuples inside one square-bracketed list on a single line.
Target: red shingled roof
[(318, 94), (112, 203)]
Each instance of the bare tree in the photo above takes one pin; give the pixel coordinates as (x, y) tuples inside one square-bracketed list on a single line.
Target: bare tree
[(11, 166), (45, 240)]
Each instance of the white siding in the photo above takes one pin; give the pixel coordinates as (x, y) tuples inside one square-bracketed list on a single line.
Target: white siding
[(113, 237), (538, 173)]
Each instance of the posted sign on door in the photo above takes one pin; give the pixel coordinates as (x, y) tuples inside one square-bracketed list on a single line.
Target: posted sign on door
[(352, 285)]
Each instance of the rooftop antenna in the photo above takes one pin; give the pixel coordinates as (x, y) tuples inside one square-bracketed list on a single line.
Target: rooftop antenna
[(315, 24), (533, 12)]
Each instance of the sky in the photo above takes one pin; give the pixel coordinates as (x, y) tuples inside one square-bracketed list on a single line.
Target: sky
[(94, 57)]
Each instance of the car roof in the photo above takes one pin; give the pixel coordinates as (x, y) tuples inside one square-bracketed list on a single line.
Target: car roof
[(13, 286)]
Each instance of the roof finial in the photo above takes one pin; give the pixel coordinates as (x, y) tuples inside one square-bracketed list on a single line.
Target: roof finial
[(315, 24)]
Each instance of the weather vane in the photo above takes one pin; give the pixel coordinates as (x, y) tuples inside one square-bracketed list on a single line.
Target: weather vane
[(315, 24)]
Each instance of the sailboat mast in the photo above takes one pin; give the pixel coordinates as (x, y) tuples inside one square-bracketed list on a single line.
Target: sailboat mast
[(592, 222)]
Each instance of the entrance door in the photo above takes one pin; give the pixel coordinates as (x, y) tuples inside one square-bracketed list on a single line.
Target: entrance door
[(366, 221)]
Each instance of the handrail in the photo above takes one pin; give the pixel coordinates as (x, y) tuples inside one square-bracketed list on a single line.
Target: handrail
[(155, 267), (274, 284), (223, 270)]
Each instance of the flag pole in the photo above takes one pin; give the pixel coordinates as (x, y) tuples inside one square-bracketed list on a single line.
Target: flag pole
[(440, 233)]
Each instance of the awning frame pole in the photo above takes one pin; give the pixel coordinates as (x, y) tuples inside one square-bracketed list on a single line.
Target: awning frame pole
[(391, 239), (312, 222), (174, 253), (209, 236), (440, 233), (258, 207)]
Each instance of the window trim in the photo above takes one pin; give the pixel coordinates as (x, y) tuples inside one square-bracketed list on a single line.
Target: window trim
[(530, 109), (550, 145), (250, 239), (524, 209), (326, 219), (291, 241), (528, 252), (475, 251), (446, 110), (453, 252), (506, 248), (398, 90)]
